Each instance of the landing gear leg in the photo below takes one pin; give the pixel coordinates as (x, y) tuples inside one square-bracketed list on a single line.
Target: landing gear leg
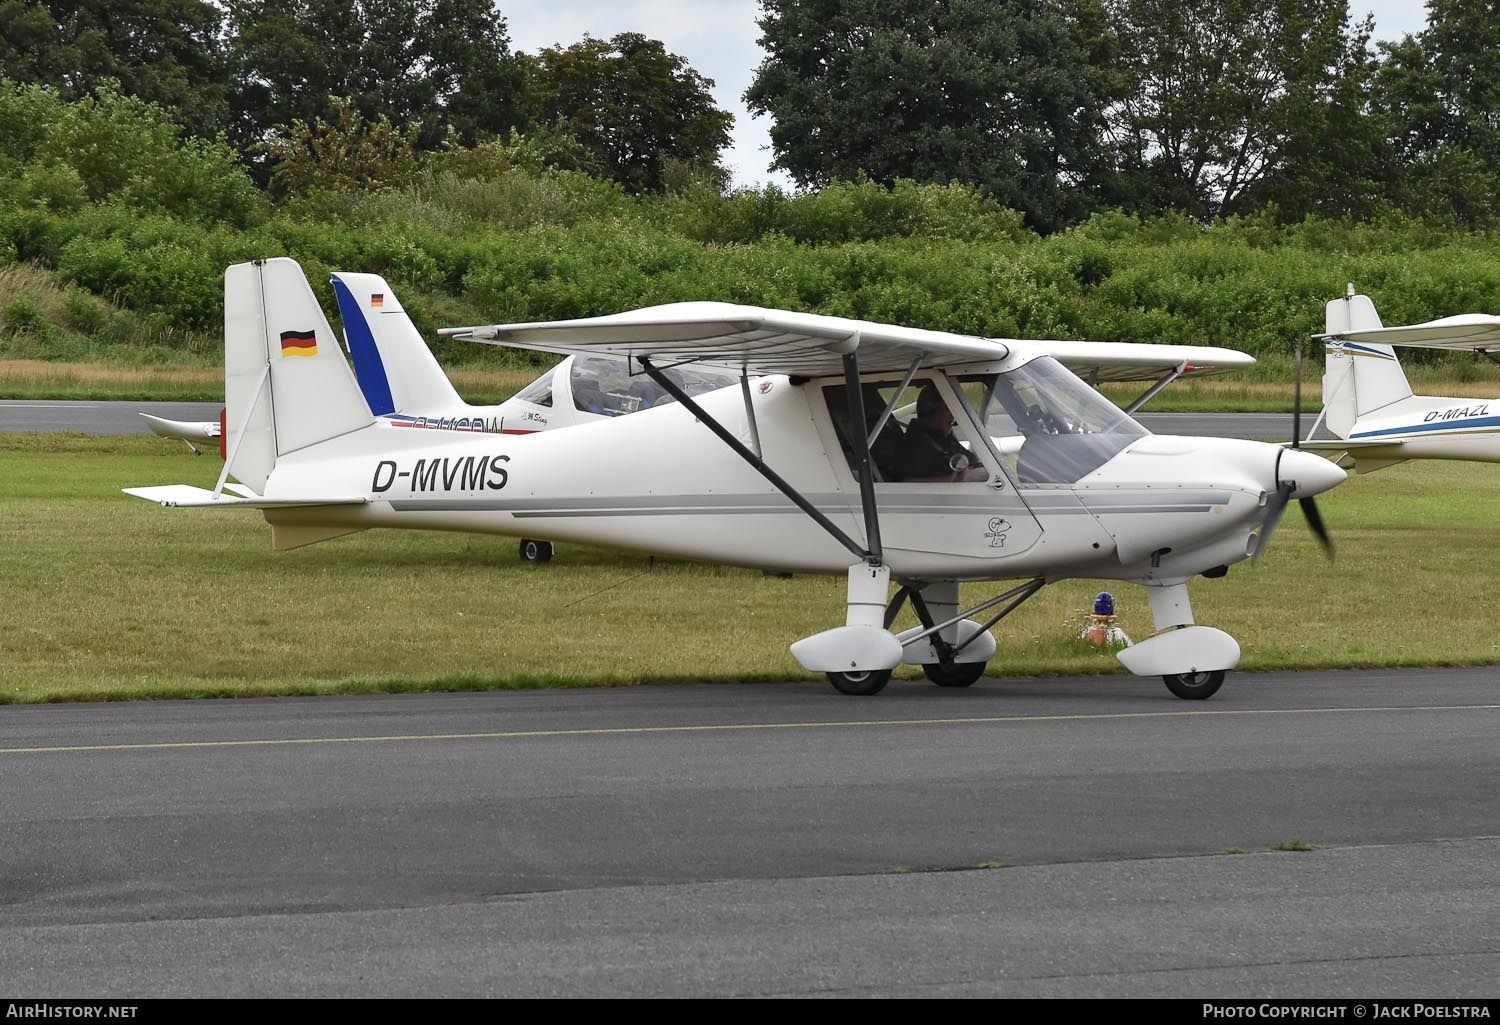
[(857, 657), (938, 603), (1172, 610)]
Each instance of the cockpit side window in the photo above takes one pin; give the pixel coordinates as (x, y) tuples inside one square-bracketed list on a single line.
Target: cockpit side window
[(930, 447), (538, 392)]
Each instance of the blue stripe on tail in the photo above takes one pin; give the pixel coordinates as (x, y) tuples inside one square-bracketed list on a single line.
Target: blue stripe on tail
[(369, 369)]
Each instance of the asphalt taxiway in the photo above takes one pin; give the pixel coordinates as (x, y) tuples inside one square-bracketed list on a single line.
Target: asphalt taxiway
[(1331, 834)]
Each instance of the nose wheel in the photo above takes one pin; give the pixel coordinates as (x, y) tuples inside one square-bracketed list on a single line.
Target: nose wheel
[(869, 681), (1194, 686)]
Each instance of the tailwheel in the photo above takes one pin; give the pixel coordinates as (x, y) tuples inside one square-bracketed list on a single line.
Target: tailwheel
[(868, 681), (1194, 686), (536, 551), (953, 674)]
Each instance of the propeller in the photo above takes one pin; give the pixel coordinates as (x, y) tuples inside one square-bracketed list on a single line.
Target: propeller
[(1277, 502)]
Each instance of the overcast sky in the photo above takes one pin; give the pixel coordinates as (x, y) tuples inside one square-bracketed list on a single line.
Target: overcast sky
[(718, 38)]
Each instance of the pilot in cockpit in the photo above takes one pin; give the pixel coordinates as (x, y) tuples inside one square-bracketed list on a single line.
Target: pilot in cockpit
[(929, 451)]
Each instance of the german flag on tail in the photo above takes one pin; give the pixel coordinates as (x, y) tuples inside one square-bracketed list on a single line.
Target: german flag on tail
[(299, 343)]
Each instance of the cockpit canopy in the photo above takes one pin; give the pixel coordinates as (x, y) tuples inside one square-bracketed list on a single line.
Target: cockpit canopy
[(1039, 421), (605, 386), (1059, 428)]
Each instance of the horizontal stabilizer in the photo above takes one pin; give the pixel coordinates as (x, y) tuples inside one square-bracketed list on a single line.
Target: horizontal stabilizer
[(186, 430), (1343, 445), (185, 496), (1361, 456)]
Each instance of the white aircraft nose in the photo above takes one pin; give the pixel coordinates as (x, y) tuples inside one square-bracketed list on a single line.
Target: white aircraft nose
[(1312, 474)]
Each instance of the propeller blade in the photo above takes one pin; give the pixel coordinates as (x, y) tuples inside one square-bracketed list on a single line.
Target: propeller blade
[(1297, 401), (1315, 521), (1275, 508)]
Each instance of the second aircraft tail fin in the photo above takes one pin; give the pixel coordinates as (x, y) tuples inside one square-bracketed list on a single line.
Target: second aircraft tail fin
[(1358, 377), (396, 369)]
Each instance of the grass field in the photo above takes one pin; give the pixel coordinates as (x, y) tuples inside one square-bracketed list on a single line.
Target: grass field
[(111, 597)]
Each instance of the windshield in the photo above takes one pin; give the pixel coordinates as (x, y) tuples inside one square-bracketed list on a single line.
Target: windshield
[(1051, 427)]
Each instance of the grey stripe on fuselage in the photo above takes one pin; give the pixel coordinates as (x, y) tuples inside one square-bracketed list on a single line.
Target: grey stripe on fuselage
[(1040, 501)]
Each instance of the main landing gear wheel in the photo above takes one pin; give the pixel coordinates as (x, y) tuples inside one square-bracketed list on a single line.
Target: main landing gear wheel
[(870, 681), (1194, 686), (536, 551), (953, 674)]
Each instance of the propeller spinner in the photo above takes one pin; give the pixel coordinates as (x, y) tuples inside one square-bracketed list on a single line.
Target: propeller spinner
[(1299, 475)]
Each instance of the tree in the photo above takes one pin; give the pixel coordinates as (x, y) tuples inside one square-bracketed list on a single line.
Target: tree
[(635, 107), (348, 154), (995, 94), (1441, 91), (443, 64), (1219, 95), (166, 52)]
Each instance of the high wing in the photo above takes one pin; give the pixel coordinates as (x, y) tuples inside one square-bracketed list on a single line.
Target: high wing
[(745, 339), (754, 340), (1475, 332), (1142, 361)]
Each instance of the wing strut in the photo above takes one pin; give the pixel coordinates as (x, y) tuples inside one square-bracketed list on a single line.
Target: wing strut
[(1151, 392), (755, 461), (930, 629), (885, 414), (862, 456), (750, 412)]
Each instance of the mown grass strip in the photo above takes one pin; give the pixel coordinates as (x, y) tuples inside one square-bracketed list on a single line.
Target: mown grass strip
[(110, 597)]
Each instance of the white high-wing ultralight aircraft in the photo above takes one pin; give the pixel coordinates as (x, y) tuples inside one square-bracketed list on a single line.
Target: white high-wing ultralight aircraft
[(784, 471), (406, 387), (1369, 405)]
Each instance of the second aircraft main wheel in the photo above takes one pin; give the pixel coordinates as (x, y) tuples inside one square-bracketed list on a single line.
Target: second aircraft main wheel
[(1194, 686), (953, 674), (870, 681), (536, 551)]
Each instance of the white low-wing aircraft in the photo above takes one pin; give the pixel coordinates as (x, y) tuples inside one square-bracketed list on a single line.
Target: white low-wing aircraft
[(1369, 405), (800, 466)]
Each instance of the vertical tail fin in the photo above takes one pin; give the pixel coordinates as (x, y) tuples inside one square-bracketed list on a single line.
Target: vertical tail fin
[(396, 370), (1358, 377), (286, 383)]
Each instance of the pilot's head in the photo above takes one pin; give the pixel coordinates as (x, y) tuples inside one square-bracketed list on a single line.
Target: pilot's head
[(932, 410), (928, 400)]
